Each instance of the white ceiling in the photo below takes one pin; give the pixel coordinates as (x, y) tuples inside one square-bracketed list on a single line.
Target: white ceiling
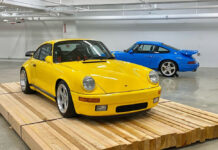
[(24, 10)]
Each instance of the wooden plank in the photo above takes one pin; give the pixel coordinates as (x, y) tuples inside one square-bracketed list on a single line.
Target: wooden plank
[(210, 117), (168, 137), (187, 136), (194, 111), (20, 109), (37, 120), (134, 137), (124, 142), (2, 90), (75, 138), (16, 113), (163, 100), (43, 107), (208, 127), (155, 140), (11, 87), (192, 132), (89, 134), (42, 136)]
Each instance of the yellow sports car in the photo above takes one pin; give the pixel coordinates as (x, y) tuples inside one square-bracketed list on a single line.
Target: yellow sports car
[(83, 77)]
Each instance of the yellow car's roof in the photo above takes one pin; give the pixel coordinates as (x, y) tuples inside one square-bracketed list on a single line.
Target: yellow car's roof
[(59, 40)]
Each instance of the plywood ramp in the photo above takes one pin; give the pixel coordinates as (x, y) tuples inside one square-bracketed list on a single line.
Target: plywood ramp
[(38, 122)]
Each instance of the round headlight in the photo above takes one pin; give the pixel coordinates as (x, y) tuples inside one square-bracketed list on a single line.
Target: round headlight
[(154, 77), (88, 83)]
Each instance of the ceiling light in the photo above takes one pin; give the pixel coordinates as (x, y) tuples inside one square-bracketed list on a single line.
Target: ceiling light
[(4, 14)]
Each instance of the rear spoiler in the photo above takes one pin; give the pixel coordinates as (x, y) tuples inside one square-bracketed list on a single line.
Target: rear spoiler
[(189, 52)]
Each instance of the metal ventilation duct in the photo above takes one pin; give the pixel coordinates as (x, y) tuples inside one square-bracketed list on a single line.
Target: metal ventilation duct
[(138, 17)]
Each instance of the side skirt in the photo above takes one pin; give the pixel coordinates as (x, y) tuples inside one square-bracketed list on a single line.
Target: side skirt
[(43, 91)]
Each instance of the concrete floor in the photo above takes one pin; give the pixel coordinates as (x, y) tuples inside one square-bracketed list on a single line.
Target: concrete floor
[(199, 89)]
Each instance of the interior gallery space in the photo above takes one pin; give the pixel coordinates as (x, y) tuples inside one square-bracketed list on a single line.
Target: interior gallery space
[(109, 74)]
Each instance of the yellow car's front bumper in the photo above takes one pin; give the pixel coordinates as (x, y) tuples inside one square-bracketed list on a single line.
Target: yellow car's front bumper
[(127, 102)]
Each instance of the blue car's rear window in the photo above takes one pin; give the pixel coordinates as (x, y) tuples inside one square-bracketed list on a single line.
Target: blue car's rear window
[(170, 46)]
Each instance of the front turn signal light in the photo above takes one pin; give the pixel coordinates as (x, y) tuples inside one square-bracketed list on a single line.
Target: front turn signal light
[(89, 100)]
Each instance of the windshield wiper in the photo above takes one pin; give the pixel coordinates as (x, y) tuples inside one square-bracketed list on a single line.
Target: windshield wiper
[(99, 61), (99, 57), (111, 57)]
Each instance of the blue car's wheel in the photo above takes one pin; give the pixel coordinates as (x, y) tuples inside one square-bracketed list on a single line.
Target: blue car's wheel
[(168, 68)]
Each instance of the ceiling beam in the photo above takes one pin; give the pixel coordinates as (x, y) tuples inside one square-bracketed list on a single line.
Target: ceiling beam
[(22, 3), (138, 17), (33, 4), (123, 2), (71, 9), (41, 4)]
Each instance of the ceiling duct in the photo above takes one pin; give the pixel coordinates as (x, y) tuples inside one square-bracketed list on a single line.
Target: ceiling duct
[(138, 17)]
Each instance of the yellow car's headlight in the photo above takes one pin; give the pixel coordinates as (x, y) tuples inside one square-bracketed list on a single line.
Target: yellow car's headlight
[(88, 83), (154, 77)]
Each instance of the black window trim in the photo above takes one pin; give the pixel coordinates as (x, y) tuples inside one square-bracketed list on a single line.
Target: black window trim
[(39, 48)]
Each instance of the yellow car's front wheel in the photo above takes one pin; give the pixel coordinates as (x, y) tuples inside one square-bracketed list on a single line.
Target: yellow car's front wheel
[(64, 100)]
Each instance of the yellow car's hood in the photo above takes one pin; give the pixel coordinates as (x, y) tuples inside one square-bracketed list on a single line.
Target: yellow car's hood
[(112, 75)]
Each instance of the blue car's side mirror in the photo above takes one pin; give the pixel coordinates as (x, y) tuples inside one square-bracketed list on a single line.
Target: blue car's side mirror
[(130, 51)]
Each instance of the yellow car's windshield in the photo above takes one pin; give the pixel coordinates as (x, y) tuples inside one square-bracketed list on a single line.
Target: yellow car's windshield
[(77, 50)]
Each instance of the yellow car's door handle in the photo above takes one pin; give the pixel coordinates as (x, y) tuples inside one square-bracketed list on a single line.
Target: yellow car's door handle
[(34, 65)]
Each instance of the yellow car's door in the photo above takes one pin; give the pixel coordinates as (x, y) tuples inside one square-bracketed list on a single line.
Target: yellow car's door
[(44, 70), (32, 71)]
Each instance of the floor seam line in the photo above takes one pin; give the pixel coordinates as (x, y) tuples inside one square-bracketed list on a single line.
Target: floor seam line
[(38, 122)]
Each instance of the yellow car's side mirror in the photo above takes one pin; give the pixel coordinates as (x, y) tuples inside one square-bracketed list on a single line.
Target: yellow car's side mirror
[(48, 59)]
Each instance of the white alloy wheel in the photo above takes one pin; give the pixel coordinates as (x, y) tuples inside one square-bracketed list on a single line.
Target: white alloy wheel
[(23, 80), (168, 68), (62, 98)]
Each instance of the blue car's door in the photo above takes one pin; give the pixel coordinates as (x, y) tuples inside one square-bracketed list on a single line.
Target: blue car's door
[(142, 54), (158, 54)]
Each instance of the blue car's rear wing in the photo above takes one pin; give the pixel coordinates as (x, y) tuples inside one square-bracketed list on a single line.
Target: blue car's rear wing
[(189, 52)]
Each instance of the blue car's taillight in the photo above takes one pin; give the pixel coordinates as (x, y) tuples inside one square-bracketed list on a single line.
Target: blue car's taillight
[(192, 62)]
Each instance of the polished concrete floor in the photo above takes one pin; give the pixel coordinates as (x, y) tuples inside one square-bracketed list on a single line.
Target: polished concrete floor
[(198, 89)]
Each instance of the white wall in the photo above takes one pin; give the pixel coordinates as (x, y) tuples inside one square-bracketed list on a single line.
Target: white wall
[(121, 35), (16, 39)]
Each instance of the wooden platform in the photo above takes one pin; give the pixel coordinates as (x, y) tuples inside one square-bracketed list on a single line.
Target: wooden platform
[(38, 122)]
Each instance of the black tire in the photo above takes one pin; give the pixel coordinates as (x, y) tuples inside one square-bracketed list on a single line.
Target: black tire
[(24, 83), (65, 106), (168, 68)]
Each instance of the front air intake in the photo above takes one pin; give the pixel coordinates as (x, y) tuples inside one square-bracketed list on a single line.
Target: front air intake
[(133, 107)]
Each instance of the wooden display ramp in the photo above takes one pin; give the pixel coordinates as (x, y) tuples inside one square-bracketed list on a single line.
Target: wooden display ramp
[(38, 122)]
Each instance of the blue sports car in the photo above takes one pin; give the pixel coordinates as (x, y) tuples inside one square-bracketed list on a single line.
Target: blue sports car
[(159, 56)]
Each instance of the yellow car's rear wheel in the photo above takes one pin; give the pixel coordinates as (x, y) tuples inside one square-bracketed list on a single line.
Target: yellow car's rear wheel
[(64, 100), (24, 83)]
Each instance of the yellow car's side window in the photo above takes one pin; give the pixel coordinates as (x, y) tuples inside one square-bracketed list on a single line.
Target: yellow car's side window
[(36, 54), (43, 51)]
